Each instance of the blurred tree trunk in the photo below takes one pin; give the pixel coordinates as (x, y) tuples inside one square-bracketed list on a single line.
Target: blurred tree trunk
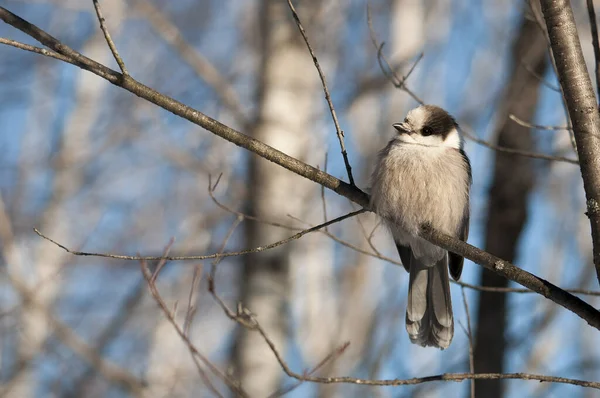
[(508, 197), (287, 94), (44, 276)]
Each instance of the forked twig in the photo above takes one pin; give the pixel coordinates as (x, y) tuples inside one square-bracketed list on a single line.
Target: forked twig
[(247, 319), (208, 256), (340, 133), (330, 357), (196, 355), (109, 40), (398, 82)]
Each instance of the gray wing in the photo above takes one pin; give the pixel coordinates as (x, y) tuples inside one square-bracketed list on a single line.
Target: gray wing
[(405, 254), (456, 261)]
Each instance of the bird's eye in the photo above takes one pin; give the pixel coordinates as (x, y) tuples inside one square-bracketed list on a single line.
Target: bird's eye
[(426, 131)]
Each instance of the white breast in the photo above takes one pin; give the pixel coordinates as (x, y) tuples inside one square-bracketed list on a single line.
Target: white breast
[(416, 184)]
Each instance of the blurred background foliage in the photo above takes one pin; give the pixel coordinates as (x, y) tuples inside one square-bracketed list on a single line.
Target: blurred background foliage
[(100, 170)]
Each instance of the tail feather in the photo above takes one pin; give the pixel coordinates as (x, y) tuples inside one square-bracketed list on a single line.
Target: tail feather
[(429, 319)]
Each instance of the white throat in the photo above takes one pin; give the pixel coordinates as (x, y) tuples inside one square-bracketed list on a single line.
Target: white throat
[(452, 139)]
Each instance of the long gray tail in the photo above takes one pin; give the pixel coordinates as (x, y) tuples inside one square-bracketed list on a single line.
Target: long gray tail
[(429, 320)]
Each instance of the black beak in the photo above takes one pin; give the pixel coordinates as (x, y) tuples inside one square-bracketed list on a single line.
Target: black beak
[(402, 128)]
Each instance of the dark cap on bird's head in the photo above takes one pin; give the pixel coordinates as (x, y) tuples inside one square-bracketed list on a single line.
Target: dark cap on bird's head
[(427, 120)]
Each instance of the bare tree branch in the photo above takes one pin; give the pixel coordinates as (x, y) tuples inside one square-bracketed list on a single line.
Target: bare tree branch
[(545, 288), (400, 83), (247, 319), (337, 352), (109, 40), (582, 105), (34, 49), (523, 123), (186, 112), (340, 133), (518, 152), (584, 292), (509, 271), (197, 357), (208, 256)]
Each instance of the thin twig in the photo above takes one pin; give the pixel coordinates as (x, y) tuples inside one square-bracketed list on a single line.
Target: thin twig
[(367, 237), (412, 68), (539, 77), (518, 151), (583, 292), (192, 305), (213, 268), (248, 216), (324, 231), (595, 43), (350, 245), (162, 261), (109, 40), (523, 123), (336, 353), (34, 49), (340, 133), (398, 82), (535, 8), (323, 202), (191, 347), (208, 256), (248, 320), (470, 336), (370, 237)]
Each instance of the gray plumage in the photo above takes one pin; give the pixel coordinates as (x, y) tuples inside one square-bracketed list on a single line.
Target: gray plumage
[(422, 176)]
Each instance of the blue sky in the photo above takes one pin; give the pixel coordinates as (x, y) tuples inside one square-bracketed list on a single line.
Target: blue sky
[(452, 65)]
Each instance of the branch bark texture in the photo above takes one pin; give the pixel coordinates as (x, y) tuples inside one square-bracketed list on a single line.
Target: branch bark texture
[(581, 103)]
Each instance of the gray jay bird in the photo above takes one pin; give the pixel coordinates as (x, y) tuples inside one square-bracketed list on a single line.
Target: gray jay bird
[(423, 177)]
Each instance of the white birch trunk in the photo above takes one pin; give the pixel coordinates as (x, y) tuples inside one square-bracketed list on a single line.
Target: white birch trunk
[(289, 95)]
